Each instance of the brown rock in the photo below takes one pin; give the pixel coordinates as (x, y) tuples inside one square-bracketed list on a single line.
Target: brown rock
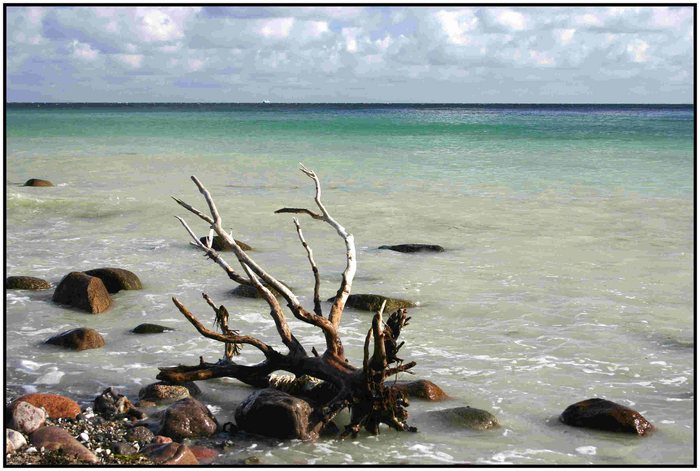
[(78, 339), (204, 454), (84, 292), (160, 440), (26, 282), (56, 438), (116, 279), (606, 415), (170, 453), (37, 182), (163, 392), (140, 434), (220, 245), (274, 413), (188, 418), (56, 406), (421, 389)]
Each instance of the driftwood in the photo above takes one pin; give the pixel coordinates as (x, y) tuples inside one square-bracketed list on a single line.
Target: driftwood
[(361, 389)]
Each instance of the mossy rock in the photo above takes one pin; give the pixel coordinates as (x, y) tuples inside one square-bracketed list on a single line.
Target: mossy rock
[(220, 245), (150, 329), (467, 417), (373, 302), (26, 282)]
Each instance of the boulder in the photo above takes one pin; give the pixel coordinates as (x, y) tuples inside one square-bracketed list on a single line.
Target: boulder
[(78, 339), (140, 434), (14, 440), (56, 406), (220, 245), (421, 389), (166, 392), (169, 454), (116, 279), (188, 418), (123, 448), (602, 414), (150, 329), (413, 248), (204, 454), (467, 417), (26, 418), (373, 302), (56, 438), (84, 292), (37, 182), (26, 282), (274, 413)]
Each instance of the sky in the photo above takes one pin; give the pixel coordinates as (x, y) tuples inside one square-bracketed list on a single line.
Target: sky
[(444, 54)]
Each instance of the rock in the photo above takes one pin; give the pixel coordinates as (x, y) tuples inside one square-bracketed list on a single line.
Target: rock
[(170, 453), (140, 434), (188, 418), (37, 182), (116, 279), (84, 292), (606, 415), (204, 454), (123, 448), (150, 329), (467, 417), (112, 405), (56, 438), (167, 392), (413, 248), (220, 245), (421, 389), (248, 291), (160, 439), (274, 413), (26, 417), (56, 406), (78, 339), (373, 302), (14, 440), (26, 282)]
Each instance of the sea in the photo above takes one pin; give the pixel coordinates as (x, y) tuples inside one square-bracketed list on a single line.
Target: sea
[(568, 270)]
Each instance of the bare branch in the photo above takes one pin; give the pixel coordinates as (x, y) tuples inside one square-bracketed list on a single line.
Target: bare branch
[(210, 201), (314, 268), (193, 210), (401, 368), (300, 211)]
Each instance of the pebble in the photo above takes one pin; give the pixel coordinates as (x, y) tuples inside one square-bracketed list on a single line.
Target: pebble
[(85, 437)]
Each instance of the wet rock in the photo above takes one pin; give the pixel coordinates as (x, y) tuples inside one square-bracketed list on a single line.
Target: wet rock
[(56, 406), (150, 329), (14, 440), (373, 302), (467, 417), (111, 405), (170, 454), (26, 417), (421, 389), (78, 339), (140, 434), (123, 448), (204, 454), (602, 414), (188, 418), (116, 279), (26, 282), (167, 392), (37, 182), (56, 438), (248, 291), (84, 292), (274, 413), (160, 440), (220, 245), (413, 248)]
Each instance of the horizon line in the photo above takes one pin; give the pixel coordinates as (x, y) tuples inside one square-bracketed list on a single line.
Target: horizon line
[(328, 103)]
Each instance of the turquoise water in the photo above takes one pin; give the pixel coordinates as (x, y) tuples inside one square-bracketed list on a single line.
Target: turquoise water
[(567, 274)]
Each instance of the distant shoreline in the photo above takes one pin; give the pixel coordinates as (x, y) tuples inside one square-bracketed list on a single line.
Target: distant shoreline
[(356, 104)]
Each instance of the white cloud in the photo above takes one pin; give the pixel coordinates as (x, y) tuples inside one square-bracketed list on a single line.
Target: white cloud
[(456, 24), (565, 35), (277, 28), (83, 51), (511, 19), (132, 61), (637, 49)]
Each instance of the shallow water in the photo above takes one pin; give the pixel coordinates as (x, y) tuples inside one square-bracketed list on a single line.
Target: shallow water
[(567, 272)]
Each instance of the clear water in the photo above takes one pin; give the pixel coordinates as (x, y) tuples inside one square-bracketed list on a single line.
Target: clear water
[(568, 272)]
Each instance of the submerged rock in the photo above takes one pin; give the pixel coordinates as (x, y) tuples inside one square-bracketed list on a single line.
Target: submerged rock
[(78, 339), (274, 413), (249, 291), (188, 418), (56, 438), (602, 414), (150, 329), (37, 182), (204, 455), (116, 279), (56, 406), (373, 302), (413, 248), (467, 417), (26, 282), (420, 389), (84, 292), (220, 245)]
